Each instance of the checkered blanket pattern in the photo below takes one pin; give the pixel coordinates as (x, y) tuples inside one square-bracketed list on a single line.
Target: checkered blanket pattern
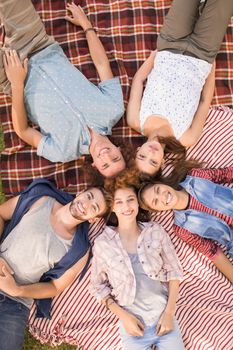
[(128, 31)]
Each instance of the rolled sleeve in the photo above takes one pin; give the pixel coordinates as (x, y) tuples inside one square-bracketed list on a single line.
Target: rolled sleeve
[(170, 259), (51, 150), (112, 89), (99, 285)]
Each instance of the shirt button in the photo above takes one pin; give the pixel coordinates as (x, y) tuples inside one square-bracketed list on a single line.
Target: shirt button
[(66, 101), (142, 262), (148, 246), (55, 88), (139, 247)]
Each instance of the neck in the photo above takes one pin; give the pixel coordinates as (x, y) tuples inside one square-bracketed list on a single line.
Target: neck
[(65, 220), (183, 199), (128, 229), (95, 137), (164, 131)]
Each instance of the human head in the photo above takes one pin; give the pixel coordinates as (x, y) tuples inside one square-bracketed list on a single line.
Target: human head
[(150, 156), (94, 173), (92, 203), (122, 187), (157, 196), (107, 157)]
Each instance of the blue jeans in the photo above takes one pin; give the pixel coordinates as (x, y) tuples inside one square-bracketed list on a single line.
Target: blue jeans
[(170, 341), (13, 321)]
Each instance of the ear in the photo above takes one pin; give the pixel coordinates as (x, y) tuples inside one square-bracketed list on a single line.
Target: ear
[(138, 148), (93, 165), (162, 162)]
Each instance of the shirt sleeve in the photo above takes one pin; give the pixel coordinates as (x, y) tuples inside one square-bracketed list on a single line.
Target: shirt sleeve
[(221, 175), (99, 285), (112, 89), (51, 150), (171, 263), (205, 246)]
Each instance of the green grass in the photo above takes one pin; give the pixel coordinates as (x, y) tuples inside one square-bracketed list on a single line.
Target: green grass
[(29, 342)]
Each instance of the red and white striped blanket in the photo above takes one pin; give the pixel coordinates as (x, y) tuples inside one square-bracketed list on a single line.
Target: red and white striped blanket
[(128, 29)]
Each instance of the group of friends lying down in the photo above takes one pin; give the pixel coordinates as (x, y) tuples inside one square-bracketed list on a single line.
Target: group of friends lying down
[(135, 271)]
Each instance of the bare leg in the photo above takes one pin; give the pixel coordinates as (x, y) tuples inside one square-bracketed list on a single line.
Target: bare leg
[(224, 266)]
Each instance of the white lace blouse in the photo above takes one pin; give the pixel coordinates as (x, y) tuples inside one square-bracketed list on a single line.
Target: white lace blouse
[(173, 90)]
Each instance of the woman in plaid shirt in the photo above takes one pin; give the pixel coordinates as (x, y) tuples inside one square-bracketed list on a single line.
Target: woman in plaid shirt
[(136, 273), (203, 211)]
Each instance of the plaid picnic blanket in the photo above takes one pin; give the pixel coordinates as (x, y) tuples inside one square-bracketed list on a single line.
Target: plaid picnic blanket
[(128, 30)]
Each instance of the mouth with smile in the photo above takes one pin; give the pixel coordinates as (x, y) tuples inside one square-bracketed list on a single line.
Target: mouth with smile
[(103, 150), (80, 209), (169, 198), (127, 213)]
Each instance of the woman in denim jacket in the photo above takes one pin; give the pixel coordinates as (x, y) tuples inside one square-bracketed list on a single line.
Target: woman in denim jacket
[(133, 265), (203, 211)]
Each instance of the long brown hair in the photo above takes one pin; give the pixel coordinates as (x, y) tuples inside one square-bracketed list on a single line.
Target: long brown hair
[(175, 154), (128, 178)]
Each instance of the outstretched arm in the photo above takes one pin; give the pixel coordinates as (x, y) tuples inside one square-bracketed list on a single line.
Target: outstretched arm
[(135, 98), (41, 290), (191, 136), (96, 48), (16, 74)]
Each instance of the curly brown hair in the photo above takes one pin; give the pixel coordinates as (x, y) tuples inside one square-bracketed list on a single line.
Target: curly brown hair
[(128, 178)]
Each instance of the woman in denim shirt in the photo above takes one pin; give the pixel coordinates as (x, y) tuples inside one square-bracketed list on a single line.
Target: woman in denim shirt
[(203, 211), (133, 264)]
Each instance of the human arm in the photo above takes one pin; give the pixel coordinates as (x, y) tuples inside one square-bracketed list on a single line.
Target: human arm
[(217, 175), (41, 290), (16, 74), (96, 48), (131, 323), (209, 248), (191, 136), (6, 211), (134, 105), (165, 324), (101, 289)]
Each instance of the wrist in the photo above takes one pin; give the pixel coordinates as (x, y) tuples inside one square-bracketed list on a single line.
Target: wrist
[(86, 26), (170, 311), (17, 291), (17, 86)]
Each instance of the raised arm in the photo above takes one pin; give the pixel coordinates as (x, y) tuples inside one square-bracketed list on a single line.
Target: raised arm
[(96, 48), (16, 74), (135, 98), (217, 175), (44, 289), (191, 136)]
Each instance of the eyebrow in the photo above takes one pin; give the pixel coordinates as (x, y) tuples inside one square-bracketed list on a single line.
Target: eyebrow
[(153, 200), (92, 197), (130, 196)]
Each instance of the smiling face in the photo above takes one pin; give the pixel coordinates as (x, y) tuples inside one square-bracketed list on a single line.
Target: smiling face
[(159, 197), (125, 205), (107, 157), (88, 205), (149, 157)]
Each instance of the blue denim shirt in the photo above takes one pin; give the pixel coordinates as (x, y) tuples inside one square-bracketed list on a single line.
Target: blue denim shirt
[(214, 196), (64, 103)]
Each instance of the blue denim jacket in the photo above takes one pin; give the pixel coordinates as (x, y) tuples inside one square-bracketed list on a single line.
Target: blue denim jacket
[(214, 196)]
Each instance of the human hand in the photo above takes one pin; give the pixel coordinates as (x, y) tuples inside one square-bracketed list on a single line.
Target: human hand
[(4, 263), (15, 71), (165, 324), (77, 16), (132, 325), (7, 283)]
